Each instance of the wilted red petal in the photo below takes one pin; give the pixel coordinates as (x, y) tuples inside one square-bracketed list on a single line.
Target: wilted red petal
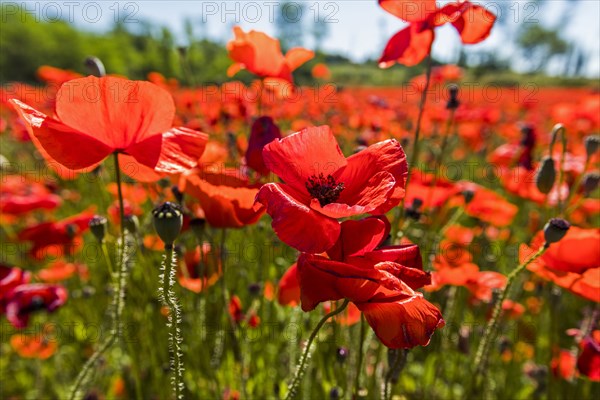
[(296, 224)]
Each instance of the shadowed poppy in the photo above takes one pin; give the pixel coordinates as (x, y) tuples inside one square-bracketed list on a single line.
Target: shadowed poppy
[(19, 196), (29, 298), (413, 43), (224, 206), (64, 233), (261, 54), (264, 131), (100, 116), (198, 271), (321, 185), (588, 362), (379, 281), (10, 278)]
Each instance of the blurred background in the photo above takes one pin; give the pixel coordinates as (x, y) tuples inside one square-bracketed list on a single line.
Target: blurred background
[(552, 41)]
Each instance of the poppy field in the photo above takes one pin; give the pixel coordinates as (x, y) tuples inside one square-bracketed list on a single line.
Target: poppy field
[(261, 239)]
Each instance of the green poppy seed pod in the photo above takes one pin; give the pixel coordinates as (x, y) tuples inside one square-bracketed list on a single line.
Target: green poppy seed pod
[(555, 230), (546, 175), (592, 144), (131, 223), (468, 195), (98, 227), (590, 182), (168, 220), (95, 66)]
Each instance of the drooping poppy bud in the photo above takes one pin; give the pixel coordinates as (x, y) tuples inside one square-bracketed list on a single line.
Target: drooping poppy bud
[(590, 182), (555, 230), (98, 227), (453, 101), (592, 144), (168, 220), (95, 66), (546, 175)]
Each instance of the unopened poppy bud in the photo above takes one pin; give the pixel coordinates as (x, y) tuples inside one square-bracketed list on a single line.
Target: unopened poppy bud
[(468, 195), (591, 180), (334, 393), (131, 223), (98, 227), (546, 175), (555, 230), (164, 183), (254, 289), (168, 220), (453, 101), (177, 193), (198, 225), (592, 144), (95, 66), (72, 230)]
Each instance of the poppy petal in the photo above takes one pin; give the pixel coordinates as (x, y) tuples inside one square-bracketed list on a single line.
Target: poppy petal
[(358, 237), (297, 56), (297, 157), (296, 224), (474, 24), (67, 146), (289, 287), (409, 10), (177, 150), (408, 47), (404, 323), (118, 112)]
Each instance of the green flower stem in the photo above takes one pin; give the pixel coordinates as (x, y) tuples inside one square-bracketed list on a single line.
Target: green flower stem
[(492, 326), (118, 299), (301, 368), (169, 299), (363, 331)]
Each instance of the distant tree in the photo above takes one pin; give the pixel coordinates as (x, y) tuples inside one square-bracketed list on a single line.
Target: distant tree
[(539, 45), (288, 24)]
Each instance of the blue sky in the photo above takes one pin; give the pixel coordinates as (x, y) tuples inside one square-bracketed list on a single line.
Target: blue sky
[(358, 28)]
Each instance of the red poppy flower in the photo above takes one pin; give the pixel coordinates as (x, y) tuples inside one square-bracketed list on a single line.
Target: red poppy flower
[(321, 185), (235, 309), (10, 278), (588, 362), (64, 233), (19, 196), (379, 281), (61, 270), (563, 365), (198, 272), (421, 187), (100, 116), (573, 263), (288, 292), (33, 346), (264, 131), (224, 206), (412, 44), (29, 298), (261, 54), (56, 76), (489, 206)]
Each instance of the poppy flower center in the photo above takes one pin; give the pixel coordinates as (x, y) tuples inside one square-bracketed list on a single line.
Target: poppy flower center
[(324, 189)]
